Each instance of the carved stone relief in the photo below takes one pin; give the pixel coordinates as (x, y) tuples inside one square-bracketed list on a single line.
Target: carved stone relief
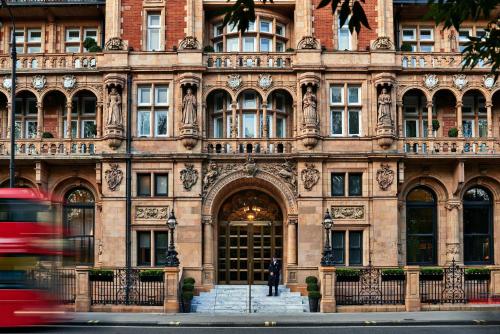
[(385, 176), (39, 82), (348, 212), (189, 176), (113, 177), (234, 81), (382, 43), (310, 176), (151, 213), (460, 81), (308, 42)]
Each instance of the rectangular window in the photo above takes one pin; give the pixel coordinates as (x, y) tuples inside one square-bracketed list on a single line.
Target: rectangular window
[(338, 247), (337, 122), (251, 26), (144, 123), (266, 26), (144, 96), (161, 184), (280, 29), (144, 184), (355, 184), (483, 128), (355, 248), (31, 129), (249, 125), (88, 129), (144, 248), (354, 123), (161, 121), (218, 127), (153, 31), (426, 35), (249, 101), (28, 40), (18, 129), (233, 44), (74, 128), (161, 95), (161, 247), (249, 44), (353, 95), (89, 105), (218, 30), (411, 128), (337, 95), (266, 45), (468, 128), (344, 37), (219, 47), (338, 184), (73, 35), (409, 34), (280, 127), (280, 47)]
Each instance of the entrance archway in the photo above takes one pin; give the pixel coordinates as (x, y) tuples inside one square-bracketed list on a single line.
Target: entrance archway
[(250, 232)]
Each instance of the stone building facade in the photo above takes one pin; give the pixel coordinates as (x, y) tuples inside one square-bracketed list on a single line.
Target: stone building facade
[(251, 137)]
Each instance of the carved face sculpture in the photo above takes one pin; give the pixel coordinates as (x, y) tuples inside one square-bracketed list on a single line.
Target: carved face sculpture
[(384, 90), (309, 89), (189, 91), (113, 90)]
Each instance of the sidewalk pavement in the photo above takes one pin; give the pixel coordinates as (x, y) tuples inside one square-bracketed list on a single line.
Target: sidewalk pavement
[(486, 317)]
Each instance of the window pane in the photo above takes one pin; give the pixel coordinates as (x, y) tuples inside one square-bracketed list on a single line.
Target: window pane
[(477, 249), (280, 128), (408, 34), (411, 128), (265, 45), (265, 26), (426, 35), (249, 125), (354, 123), (249, 44), (353, 95), (420, 250), (355, 184), (73, 48), (153, 20), (161, 247), (89, 105), (233, 44), (420, 220), (161, 95), (280, 47), (73, 35), (161, 184), (336, 94), (344, 39), (338, 184), (153, 39), (143, 124), (355, 248), (337, 123), (476, 219), (34, 35), (280, 30), (31, 129), (144, 95), (249, 101), (338, 247), (88, 129), (218, 127), (468, 128), (426, 48), (483, 128), (161, 123), (143, 184), (143, 248)]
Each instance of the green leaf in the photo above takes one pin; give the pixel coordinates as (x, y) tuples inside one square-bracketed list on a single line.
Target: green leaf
[(323, 3)]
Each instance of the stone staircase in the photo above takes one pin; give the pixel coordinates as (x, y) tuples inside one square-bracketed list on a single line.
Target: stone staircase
[(234, 299)]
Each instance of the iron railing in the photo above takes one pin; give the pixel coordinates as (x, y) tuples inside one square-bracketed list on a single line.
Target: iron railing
[(370, 287), (60, 282), (113, 289)]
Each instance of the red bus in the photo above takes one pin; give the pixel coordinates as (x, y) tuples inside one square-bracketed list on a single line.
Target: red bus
[(28, 240)]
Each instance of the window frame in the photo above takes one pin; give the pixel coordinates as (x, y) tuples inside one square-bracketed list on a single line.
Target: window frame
[(139, 190), (153, 28), (155, 186), (346, 248), (332, 177)]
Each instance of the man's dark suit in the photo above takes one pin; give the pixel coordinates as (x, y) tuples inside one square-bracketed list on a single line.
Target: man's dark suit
[(274, 277)]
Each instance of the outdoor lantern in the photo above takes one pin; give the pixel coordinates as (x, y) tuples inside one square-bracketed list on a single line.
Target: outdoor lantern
[(327, 258), (171, 260)]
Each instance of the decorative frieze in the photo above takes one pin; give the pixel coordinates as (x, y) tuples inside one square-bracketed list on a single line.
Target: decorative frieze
[(348, 212), (151, 213)]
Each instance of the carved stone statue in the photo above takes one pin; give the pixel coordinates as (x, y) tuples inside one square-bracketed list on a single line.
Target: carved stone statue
[(189, 108), (114, 108), (309, 107), (384, 108)]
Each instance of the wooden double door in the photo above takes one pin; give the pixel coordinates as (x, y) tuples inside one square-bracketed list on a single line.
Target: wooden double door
[(245, 249)]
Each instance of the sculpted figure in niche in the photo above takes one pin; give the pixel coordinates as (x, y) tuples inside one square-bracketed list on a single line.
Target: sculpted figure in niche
[(114, 108), (189, 108), (309, 107), (384, 108)]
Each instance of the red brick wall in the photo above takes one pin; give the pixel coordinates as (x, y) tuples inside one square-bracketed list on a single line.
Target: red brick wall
[(323, 25), (132, 19)]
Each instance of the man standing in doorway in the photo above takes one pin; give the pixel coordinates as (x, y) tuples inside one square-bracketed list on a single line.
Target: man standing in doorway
[(274, 276)]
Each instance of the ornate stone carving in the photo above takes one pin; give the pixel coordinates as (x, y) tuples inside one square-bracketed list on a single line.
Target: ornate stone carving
[(460, 81), (265, 81), (452, 249), (348, 212), (38, 82), (382, 43), (384, 109), (385, 176), (69, 81), (189, 43), (234, 81), (189, 107), (151, 213), (489, 81), (113, 176), (293, 221), (7, 83), (309, 105), (308, 42), (431, 81), (114, 109), (310, 176), (189, 176), (250, 167), (287, 171), (450, 205), (212, 172), (115, 44)]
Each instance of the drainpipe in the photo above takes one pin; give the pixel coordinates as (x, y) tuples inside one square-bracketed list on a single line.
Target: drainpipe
[(103, 31), (128, 188)]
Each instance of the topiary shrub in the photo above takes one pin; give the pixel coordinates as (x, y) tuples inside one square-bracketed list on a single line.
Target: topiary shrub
[(311, 279), (453, 132), (90, 45), (151, 275), (312, 287), (101, 275), (188, 280), (314, 295)]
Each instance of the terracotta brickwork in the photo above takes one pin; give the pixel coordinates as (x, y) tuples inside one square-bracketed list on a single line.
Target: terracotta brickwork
[(323, 25), (132, 20), (175, 11), (367, 35)]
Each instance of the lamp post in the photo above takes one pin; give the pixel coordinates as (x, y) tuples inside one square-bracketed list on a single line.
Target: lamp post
[(172, 260), (327, 258), (12, 176)]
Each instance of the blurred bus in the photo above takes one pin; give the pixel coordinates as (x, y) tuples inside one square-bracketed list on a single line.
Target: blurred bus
[(29, 240)]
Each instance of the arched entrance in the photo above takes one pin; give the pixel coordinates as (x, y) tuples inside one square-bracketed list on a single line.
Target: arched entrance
[(250, 232)]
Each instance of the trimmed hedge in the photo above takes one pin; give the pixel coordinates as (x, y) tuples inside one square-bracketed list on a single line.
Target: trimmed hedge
[(188, 280), (348, 272), (101, 275), (477, 271), (312, 287), (314, 294), (393, 272)]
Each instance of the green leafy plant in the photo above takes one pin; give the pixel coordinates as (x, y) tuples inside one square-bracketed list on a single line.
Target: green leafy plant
[(290, 50), (188, 280), (477, 271), (101, 275), (187, 295), (453, 132), (393, 271), (311, 280), (188, 287), (435, 125), (47, 135), (91, 45), (347, 272), (208, 48), (406, 47), (312, 287), (314, 294), (151, 275), (431, 271)]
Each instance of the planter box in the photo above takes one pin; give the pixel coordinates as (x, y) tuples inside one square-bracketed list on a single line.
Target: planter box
[(151, 278), (397, 277), (313, 304), (347, 278), (101, 278), (431, 277), (477, 277)]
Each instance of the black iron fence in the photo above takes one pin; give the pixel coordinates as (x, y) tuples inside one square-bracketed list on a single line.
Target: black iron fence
[(61, 283), (370, 286), (139, 287)]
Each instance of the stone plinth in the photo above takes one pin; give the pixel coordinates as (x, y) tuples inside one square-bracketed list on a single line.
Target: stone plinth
[(82, 298), (327, 280), (412, 298), (171, 281)]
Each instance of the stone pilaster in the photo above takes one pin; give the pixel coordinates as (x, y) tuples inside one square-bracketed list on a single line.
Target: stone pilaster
[(412, 297), (327, 279), (171, 282), (82, 298)]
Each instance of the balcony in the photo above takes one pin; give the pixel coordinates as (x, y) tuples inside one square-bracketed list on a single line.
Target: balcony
[(28, 62), (431, 60), (51, 147), (451, 146), (54, 2), (249, 145), (248, 60)]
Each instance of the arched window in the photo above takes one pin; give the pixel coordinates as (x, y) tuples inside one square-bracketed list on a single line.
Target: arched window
[(478, 226), (421, 222), (79, 216)]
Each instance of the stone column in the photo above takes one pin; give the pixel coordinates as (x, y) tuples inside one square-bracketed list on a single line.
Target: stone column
[(399, 105), (459, 119), (82, 298), (99, 120), (234, 125), (208, 254), (429, 120), (171, 283), (69, 110), (412, 298), (494, 281), (113, 24), (9, 119), (327, 280), (292, 241), (39, 119), (489, 118), (453, 231), (265, 130)]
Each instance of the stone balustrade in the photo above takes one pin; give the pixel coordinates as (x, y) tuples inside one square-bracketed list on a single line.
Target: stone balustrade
[(51, 61), (249, 60), (54, 147), (444, 146), (427, 60), (249, 145)]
